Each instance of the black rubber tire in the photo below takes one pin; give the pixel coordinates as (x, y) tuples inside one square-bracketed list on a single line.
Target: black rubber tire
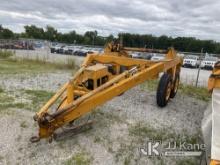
[(162, 90), (173, 91)]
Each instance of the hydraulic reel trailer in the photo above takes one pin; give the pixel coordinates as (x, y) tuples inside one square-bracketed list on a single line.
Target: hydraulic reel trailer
[(103, 77)]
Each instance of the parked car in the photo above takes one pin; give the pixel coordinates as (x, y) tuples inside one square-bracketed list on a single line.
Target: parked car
[(89, 50), (63, 50), (146, 56), (70, 50), (76, 50), (56, 49), (191, 61), (80, 52), (135, 55), (52, 49), (139, 55), (209, 62), (157, 57)]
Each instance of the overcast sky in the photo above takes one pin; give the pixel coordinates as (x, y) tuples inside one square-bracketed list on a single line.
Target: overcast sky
[(196, 18)]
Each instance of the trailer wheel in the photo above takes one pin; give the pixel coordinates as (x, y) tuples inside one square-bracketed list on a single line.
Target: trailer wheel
[(164, 90), (175, 86)]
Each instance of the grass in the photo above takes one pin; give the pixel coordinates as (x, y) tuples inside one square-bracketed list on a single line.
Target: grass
[(200, 93), (19, 105), (150, 85), (69, 65), (4, 99), (125, 152), (5, 54), (38, 97), (140, 133), (81, 158), (1, 90), (16, 66), (146, 131), (127, 161), (99, 113), (187, 162), (7, 102)]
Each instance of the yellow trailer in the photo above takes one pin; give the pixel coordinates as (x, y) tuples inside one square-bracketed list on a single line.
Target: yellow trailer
[(103, 77)]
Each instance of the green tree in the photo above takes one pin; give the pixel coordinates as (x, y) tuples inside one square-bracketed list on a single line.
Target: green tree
[(51, 33), (90, 37), (34, 32), (6, 33)]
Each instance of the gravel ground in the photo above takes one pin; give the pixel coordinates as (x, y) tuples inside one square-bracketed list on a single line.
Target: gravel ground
[(112, 138), (108, 141), (43, 81)]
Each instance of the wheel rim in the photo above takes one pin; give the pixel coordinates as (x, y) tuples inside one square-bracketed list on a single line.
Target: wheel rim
[(168, 90)]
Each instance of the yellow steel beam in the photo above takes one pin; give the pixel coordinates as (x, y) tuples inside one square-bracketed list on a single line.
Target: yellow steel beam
[(124, 61), (215, 162), (46, 107), (214, 79)]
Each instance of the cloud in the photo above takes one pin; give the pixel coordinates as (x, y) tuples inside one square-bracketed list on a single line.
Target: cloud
[(170, 17)]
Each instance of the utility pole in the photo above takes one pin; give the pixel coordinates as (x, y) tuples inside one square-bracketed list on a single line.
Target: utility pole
[(197, 79)]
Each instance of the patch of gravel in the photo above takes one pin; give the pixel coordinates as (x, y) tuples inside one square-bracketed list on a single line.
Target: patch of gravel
[(42, 81), (137, 105), (108, 142)]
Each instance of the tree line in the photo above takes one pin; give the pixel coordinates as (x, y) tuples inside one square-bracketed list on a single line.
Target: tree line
[(51, 34), (185, 44)]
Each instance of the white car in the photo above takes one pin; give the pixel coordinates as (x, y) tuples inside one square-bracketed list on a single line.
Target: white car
[(57, 48), (65, 49), (158, 57), (191, 61), (209, 62), (135, 55)]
